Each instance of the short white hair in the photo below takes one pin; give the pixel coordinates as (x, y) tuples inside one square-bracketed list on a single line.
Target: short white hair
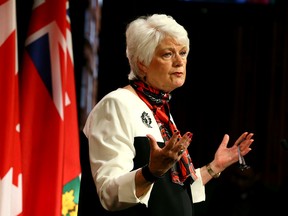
[(145, 33)]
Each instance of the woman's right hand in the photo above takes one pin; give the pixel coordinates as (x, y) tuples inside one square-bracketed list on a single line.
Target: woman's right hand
[(162, 159)]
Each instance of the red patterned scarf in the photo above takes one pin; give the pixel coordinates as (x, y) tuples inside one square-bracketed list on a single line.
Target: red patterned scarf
[(158, 102)]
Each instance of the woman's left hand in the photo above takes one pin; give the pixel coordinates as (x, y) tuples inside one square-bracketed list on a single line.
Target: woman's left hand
[(225, 156)]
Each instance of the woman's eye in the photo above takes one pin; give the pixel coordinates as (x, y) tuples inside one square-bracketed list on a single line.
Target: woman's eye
[(167, 55), (183, 53)]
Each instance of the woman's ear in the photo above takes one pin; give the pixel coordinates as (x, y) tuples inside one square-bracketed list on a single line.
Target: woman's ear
[(142, 70), (141, 67)]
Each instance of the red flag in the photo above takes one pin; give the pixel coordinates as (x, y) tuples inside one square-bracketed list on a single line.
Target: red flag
[(49, 125), (10, 149)]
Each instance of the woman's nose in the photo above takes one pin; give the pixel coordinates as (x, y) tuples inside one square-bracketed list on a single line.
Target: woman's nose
[(178, 60)]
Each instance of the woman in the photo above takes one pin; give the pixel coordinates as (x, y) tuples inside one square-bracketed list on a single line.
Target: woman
[(139, 160)]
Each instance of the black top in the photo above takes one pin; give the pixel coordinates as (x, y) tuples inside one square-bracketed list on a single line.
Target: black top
[(167, 198)]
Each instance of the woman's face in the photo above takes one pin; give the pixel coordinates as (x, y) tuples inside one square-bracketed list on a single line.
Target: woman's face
[(167, 70)]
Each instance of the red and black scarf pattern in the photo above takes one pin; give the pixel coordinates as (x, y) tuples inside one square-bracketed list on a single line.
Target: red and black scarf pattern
[(158, 102)]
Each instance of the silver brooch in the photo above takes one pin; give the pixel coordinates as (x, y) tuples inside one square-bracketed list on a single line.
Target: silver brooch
[(146, 119)]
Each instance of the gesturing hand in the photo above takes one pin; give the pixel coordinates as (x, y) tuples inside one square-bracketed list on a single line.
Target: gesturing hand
[(162, 159), (224, 156)]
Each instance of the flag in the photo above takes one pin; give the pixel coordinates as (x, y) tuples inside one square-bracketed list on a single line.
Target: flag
[(49, 125), (10, 149)]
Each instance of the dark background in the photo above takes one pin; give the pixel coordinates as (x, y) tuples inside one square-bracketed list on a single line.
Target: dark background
[(237, 76)]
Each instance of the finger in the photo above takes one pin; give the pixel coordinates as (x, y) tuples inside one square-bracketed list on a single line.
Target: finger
[(249, 136), (225, 141), (245, 151), (246, 144), (152, 142), (185, 141), (241, 138), (173, 140), (244, 147), (247, 140)]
